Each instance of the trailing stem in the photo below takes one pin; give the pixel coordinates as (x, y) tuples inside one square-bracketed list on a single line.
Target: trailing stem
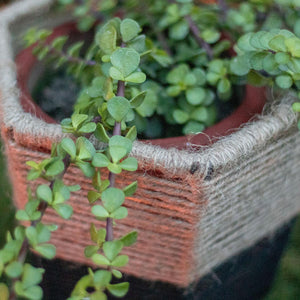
[(224, 8), (160, 36), (197, 35), (112, 176), (69, 58)]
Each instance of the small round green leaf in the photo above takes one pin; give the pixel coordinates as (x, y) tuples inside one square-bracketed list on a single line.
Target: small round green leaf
[(174, 90), (55, 168), (100, 259), (78, 119), (129, 164), (101, 133), (31, 276), (100, 160), (130, 189), (224, 86), (180, 116), (43, 233), (293, 46), (112, 199), (68, 145), (117, 273), (179, 31), (33, 293), (200, 114), (44, 193), (240, 65), (100, 212), (86, 168), (88, 128), (64, 210), (102, 278), (93, 196), (126, 60), (89, 251), (277, 43), (129, 29), (244, 42), (31, 234), (119, 147), (129, 239), (284, 81), (131, 134), (106, 37), (14, 269), (193, 127), (195, 96), (175, 75), (136, 77), (120, 261), (22, 215), (112, 248), (46, 250), (210, 35), (86, 150), (116, 74), (118, 290), (114, 168), (296, 106), (119, 213), (200, 76), (282, 58), (118, 107)]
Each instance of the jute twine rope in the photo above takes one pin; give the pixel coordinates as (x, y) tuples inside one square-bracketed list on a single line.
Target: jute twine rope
[(193, 209)]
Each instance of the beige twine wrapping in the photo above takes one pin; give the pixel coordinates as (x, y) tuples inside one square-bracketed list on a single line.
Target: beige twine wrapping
[(245, 187)]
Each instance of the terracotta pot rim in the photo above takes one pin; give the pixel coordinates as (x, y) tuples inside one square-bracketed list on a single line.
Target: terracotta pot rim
[(252, 104)]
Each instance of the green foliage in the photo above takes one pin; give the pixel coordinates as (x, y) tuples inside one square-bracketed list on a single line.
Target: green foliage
[(275, 52), (116, 103), (103, 109), (124, 65), (129, 29), (28, 287)]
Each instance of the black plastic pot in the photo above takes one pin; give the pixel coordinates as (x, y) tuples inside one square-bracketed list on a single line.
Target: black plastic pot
[(245, 276)]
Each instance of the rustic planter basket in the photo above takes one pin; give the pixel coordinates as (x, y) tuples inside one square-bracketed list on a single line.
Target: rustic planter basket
[(194, 208)]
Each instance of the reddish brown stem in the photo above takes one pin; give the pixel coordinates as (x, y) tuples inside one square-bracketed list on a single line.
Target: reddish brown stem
[(112, 176), (159, 34), (196, 33), (68, 57), (224, 9)]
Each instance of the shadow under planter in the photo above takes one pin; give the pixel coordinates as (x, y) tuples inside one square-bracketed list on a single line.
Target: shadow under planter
[(247, 275)]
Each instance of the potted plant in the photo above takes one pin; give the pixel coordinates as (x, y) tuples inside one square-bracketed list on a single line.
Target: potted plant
[(212, 196)]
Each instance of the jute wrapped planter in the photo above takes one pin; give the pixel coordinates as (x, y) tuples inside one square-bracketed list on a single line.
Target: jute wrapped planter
[(193, 209)]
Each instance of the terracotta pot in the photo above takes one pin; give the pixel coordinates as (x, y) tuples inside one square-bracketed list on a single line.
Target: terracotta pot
[(252, 104), (193, 209)]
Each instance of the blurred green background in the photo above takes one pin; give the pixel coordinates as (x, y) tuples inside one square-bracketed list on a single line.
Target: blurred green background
[(286, 285)]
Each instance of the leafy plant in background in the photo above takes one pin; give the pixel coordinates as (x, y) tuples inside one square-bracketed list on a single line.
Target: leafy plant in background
[(189, 64)]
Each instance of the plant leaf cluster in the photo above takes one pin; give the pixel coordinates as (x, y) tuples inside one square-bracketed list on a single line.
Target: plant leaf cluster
[(108, 124), (129, 80)]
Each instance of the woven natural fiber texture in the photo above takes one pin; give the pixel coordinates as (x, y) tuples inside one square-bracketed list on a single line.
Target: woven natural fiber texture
[(193, 209)]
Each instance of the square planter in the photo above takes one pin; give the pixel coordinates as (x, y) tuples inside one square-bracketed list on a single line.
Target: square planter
[(194, 208)]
